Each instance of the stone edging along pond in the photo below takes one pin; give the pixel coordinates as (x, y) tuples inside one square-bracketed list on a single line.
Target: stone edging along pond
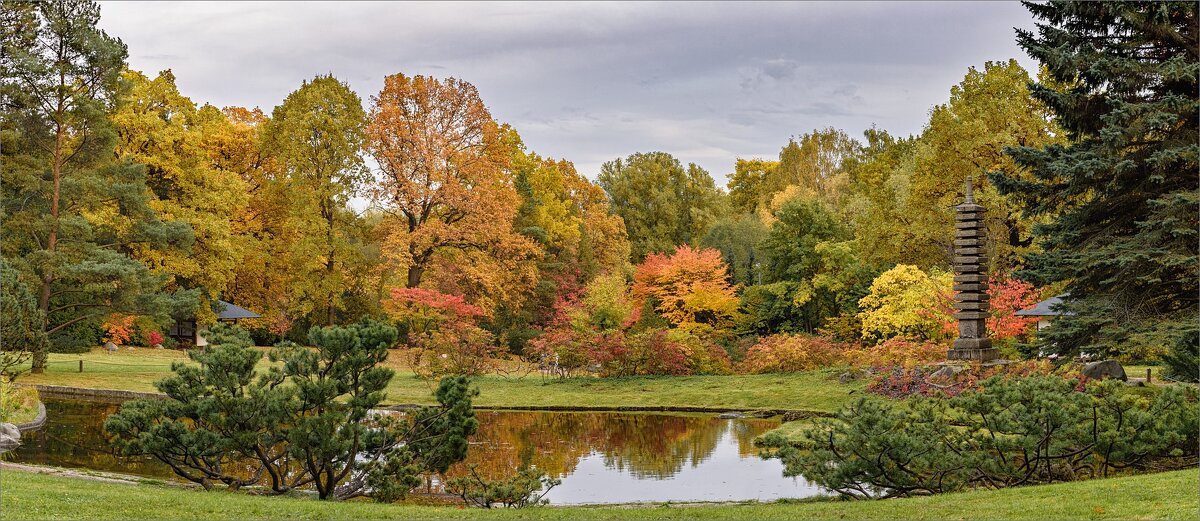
[(37, 422), (67, 392)]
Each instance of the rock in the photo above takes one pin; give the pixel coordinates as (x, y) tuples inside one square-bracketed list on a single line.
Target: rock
[(1104, 369), (731, 415), (158, 346), (10, 430), (851, 375), (946, 373), (109, 346), (10, 437), (129, 348)]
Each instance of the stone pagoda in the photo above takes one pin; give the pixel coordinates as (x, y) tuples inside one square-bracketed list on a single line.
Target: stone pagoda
[(970, 283)]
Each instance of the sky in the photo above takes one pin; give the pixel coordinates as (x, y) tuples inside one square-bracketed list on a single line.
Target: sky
[(591, 82)]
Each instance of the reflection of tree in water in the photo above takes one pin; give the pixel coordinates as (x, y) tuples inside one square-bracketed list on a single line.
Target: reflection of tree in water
[(648, 446), (74, 437)]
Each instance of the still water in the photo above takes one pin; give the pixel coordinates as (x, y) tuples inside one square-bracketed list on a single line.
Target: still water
[(601, 457)]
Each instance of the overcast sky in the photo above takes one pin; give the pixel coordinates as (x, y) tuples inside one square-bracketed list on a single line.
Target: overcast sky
[(590, 82)]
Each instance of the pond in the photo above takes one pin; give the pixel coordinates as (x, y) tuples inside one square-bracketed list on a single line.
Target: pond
[(601, 457)]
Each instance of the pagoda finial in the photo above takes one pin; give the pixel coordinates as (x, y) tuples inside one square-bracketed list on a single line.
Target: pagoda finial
[(970, 193)]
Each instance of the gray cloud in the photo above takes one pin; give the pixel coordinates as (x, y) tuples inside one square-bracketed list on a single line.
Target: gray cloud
[(589, 82)]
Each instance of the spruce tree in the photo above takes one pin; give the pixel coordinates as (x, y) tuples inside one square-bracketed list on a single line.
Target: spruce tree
[(71, 210), (1119, 201)]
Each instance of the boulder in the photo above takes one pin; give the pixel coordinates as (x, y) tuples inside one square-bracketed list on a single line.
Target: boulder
[(109, 346), (1104, 369), (946, 373), (10, 437)]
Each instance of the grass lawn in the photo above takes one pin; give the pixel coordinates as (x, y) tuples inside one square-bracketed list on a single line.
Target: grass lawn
[(138, 369), (1168, 495)]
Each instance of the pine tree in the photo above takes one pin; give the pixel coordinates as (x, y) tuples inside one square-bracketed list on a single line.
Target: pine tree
[(71, 211), (21, 330), (1120, 200)]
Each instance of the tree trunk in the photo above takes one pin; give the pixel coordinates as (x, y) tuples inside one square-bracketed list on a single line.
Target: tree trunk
[(327, 208), (39, 362), (414, 275)]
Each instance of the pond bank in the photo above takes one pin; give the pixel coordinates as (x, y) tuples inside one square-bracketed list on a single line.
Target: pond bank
[(819, 390), (119, 395)]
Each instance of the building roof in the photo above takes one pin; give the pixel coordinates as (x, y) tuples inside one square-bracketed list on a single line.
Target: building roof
[(1046, 308), (234, 312)]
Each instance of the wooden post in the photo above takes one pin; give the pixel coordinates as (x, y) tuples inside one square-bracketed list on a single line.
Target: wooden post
[(81, 365), (1148, 380)]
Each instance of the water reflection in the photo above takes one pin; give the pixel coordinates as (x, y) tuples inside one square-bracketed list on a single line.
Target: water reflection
[(601, 457)]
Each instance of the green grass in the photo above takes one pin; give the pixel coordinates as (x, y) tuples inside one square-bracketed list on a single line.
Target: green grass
[(138, 369), (1169, 495)]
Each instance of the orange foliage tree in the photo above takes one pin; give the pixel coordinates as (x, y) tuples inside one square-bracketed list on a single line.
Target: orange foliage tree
[(118, 328), (690, 288), (445, 181)]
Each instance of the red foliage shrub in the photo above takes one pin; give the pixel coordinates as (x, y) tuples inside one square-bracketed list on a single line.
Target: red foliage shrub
[(154, 338), (902, 382)]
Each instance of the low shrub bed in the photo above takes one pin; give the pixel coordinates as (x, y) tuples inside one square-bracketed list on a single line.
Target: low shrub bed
[(1009, 431)]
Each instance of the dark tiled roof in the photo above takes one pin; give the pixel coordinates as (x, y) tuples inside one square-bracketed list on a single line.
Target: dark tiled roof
[(234, 312), (1045, 308)]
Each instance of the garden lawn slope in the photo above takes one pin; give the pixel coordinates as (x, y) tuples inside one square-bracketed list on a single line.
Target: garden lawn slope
[(1169, 495), (138, 369)]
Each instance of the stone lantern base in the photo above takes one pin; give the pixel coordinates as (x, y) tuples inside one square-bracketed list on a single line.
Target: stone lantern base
[(973, 350)]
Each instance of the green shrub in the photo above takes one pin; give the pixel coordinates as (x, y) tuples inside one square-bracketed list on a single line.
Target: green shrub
[(1010, 432), (1183, 360), (305, 421), (79, 337)]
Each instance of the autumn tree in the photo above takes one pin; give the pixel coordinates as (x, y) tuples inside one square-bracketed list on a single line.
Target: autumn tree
[(879, 184), (315, 137), (165, 132), (263, 280), (663, 204), (73, 212), (749, 183), (989, 110), (903, 302), (567, 216), (814, 166), (690, 288), (812, 271), (1121, 199), (444, 178)]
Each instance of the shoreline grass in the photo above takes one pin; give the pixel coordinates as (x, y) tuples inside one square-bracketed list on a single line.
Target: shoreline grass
[(817, 391), (1167, 495)]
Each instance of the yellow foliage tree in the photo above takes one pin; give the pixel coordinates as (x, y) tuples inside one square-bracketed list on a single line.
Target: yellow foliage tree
[(903, 302), (163, 130)]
